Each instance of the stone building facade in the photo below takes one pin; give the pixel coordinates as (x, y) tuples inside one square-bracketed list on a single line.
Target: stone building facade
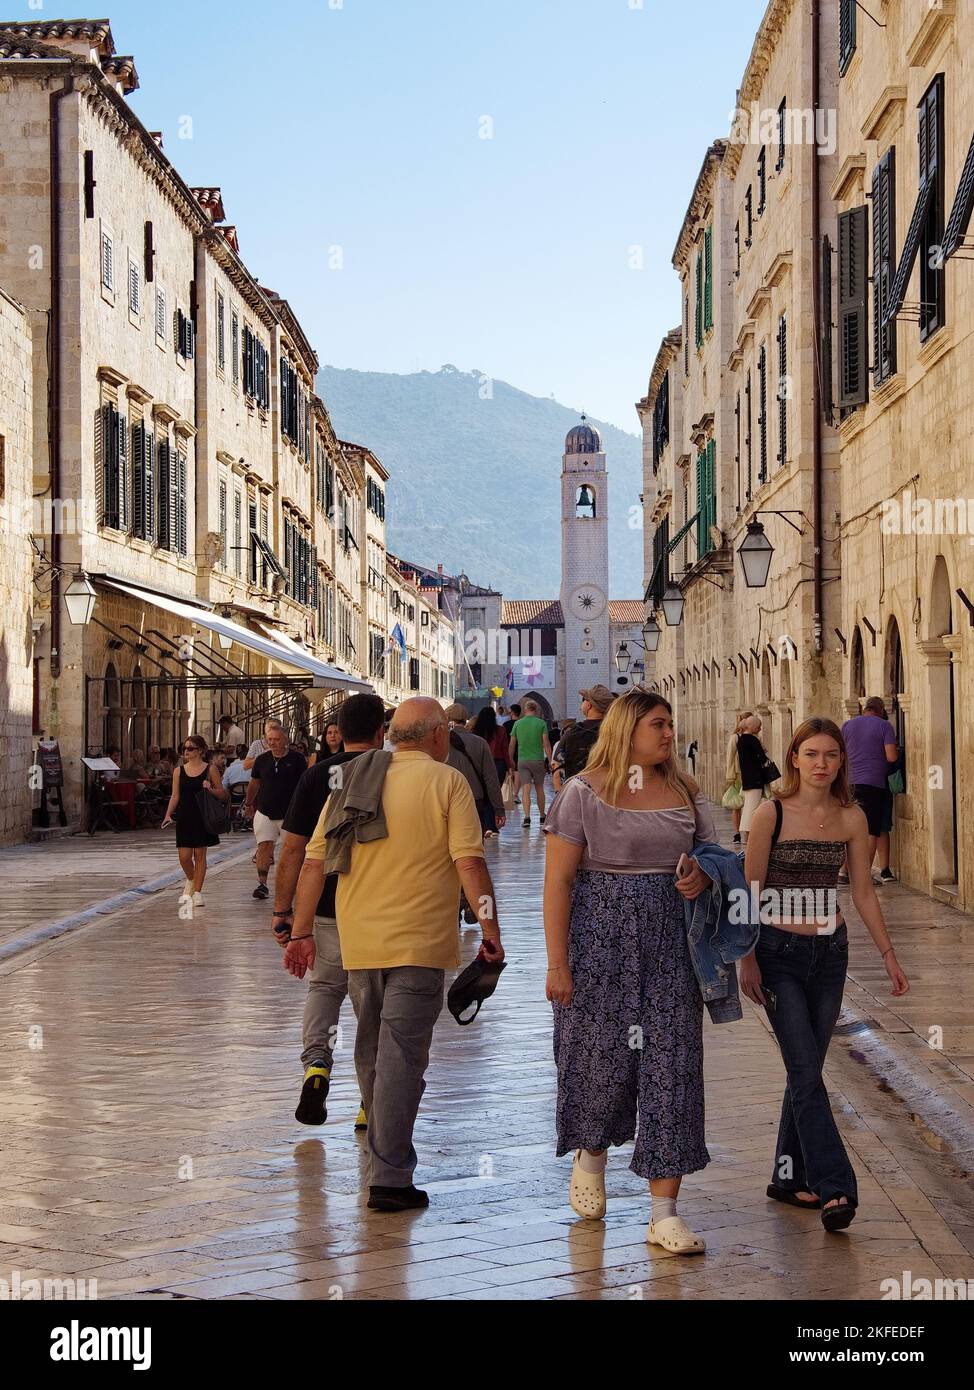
[(197, 477), (17, 609), (844, 390), (905, 426)]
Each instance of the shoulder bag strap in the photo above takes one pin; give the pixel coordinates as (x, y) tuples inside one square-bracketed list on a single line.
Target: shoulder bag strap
[(777, 822)]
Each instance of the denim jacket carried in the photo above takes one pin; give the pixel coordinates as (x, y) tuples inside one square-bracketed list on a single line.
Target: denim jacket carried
[(718, 937)]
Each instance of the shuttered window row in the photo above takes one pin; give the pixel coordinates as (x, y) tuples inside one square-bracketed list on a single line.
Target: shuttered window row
[(884, 266), (375, 498), (925, 232), (853, 271), (847, 32), (763, 414), (184, 335), (661, 420), (698, 303), (295, 410), (706, 497), (825, 336), (708, 279), (299, 562), (784, 389), (143, 482), (256, 370)]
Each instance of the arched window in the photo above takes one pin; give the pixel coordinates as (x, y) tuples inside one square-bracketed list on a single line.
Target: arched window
[(585, 501)]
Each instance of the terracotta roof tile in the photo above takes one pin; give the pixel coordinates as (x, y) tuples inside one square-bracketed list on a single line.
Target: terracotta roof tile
[(520, 612), (627, 610), (97, 30)]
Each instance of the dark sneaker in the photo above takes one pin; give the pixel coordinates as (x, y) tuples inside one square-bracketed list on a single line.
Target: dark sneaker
[(397, 1198), (262, 891), (737, 839), (311, 1107), (527, 820), (543, 819), (885, 876)]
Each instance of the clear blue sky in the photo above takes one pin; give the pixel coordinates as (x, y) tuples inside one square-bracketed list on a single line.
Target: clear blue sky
[(358, 126)]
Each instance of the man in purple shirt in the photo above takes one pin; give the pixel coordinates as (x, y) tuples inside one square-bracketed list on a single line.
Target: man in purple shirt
[(870, 741)]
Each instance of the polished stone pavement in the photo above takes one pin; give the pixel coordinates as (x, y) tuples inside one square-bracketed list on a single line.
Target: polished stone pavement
[(148, 1141)]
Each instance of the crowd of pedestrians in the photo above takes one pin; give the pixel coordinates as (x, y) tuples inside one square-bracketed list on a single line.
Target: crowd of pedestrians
[(381, 830)]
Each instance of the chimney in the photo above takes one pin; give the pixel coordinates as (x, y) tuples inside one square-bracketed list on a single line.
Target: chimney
[(439, 569)]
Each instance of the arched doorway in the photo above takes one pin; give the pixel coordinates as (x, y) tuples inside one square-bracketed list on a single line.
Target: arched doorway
[(112, 712), (547, 714), (942, 779)]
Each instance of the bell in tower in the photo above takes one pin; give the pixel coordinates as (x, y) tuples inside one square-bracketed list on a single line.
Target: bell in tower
[(585, 501)]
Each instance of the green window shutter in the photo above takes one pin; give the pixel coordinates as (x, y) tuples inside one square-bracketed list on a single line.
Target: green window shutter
[(699, 301), (701, 494), (708, 288)]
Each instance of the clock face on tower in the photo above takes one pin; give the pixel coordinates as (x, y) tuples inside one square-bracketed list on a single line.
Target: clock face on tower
[(587, 601)]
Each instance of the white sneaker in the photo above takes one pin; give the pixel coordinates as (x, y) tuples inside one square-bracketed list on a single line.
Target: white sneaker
[(187, 894), (198, 900)]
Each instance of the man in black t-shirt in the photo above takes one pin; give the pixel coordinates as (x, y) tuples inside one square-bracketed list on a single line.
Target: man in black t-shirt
[(273, 778), (361, 722)]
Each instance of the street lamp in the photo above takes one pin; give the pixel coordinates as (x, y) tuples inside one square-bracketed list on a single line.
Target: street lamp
[(755, 551), (79, 599), (623, 659), (651, 633), (672, 604)]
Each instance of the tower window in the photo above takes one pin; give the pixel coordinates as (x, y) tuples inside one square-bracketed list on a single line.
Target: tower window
[(585, 501)]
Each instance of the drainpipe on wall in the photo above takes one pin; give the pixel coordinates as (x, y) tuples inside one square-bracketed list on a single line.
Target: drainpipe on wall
[(54, 371), (816, 310)]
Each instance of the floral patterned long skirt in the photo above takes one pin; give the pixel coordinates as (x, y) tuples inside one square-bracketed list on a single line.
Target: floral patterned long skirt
[(631, 1041)]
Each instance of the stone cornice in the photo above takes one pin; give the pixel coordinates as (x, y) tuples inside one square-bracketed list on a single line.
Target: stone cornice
[(760, 299), (295, 332), (184, 428), (933, 24), (668, 353), (138, 394), (779, 268), (238, 275), (756, 69), (700, 201), (853, 168), (111, 376), (165, 413), (890, 105)]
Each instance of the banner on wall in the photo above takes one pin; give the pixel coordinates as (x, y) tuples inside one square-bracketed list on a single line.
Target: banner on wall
[(533, 672)]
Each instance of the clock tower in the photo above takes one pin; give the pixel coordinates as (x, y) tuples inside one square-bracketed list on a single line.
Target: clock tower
[(585, 563)]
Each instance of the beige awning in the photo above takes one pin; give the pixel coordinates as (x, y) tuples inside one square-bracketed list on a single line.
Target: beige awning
[(287, 655)]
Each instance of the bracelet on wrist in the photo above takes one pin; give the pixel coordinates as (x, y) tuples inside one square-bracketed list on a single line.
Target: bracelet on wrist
[(284, 912), (887, 952), (307, 937), (557, 967)]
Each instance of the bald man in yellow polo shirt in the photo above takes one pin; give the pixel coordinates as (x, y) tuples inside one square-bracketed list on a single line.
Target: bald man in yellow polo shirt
[(397, 911)]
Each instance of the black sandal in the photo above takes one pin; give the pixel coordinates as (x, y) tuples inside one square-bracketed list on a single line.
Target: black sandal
[(791, 1199), (837, 1218)]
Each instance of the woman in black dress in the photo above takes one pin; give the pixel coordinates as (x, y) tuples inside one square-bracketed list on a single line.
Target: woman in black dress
[(192, 836)]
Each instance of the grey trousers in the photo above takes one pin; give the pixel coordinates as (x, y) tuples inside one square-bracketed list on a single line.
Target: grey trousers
[(396, 1010), (327, 988)]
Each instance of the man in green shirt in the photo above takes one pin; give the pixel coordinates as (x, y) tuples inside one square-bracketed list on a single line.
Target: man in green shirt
[(530, 747)]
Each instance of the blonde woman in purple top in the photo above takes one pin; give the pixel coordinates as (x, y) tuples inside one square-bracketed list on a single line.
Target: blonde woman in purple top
[(628, 1011)]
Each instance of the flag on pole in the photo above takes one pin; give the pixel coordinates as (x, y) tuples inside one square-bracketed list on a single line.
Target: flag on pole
[(399, 637)]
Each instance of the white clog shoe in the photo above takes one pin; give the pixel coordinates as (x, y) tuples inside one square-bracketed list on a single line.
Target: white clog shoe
[(587, 1191), (675, 1235)]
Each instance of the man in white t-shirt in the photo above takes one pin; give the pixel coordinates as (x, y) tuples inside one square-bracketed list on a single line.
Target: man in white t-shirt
[(260, 745), (228, 734)]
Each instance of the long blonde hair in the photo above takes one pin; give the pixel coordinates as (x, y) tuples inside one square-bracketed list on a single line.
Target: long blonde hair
[(612, 752), (791, 781), (732, 771)]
